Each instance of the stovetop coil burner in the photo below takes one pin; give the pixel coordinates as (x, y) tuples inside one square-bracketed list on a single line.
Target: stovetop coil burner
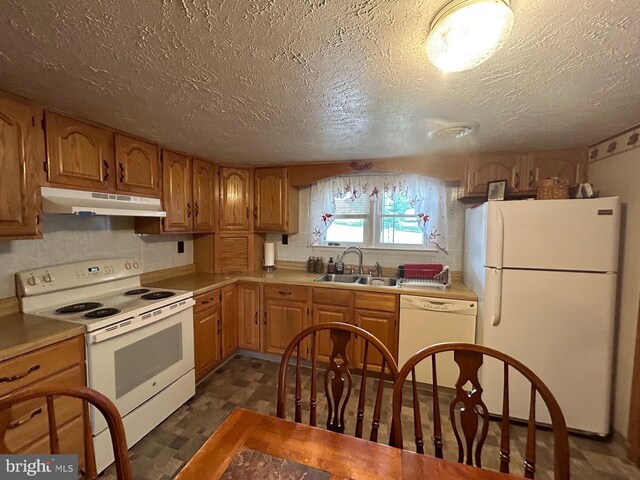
[(157, 295), (101, 313), (137, 291), (78, 307)]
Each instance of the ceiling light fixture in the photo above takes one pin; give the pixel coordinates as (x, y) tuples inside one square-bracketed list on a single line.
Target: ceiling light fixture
[(465, 33)]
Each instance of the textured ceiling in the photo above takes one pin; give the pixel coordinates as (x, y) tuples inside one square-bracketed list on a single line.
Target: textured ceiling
[(275, 81)]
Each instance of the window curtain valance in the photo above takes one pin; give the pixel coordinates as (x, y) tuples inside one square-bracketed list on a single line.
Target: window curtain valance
[(426, 195)]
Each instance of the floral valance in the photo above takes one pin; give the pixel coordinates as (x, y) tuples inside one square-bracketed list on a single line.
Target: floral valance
[(426, 195)]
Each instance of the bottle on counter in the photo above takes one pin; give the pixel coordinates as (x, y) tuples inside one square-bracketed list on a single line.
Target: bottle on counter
[(311, 265), (339, 265), (331, 267), (319, 265)]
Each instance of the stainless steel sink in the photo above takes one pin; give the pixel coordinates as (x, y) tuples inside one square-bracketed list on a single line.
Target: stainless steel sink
[(378, 281), (338, 278)]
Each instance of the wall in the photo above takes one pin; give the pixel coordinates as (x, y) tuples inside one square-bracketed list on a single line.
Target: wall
[(298, 249), (618, 175), (69, 238)]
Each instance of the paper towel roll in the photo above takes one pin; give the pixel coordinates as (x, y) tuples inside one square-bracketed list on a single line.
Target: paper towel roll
[(269, 254)]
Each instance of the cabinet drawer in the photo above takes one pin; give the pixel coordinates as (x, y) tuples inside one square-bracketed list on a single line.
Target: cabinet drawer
[(383, 302), (31, 367), (287, 292), (29, 420), (71, 438), (207, 300), (332, 296)]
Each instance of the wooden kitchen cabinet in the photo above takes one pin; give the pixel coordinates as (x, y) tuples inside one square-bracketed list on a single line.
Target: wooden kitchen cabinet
[(276, 202), (79, 155), (138, 166), (286, 309), (207, 328), (330, 305), (249, 318), (378, 314), (235, 199), (229, 320), (177, 194), (482, 170), (204, 174), (21, 159), (568, 165), (60, 364)]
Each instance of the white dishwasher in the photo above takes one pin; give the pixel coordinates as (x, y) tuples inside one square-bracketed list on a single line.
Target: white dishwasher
[(425, 321)]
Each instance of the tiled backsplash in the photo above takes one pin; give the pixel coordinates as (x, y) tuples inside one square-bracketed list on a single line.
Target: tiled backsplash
[(69, 238), (298, 250)]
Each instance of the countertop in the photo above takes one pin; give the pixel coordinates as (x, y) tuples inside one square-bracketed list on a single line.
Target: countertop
[(199, 283), (23, 333)]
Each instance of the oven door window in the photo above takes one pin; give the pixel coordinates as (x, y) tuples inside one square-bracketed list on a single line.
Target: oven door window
[(141, 361)]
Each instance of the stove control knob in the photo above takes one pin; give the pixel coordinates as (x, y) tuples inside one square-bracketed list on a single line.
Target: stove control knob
[(136, 265), (33, 280), (48, 278)]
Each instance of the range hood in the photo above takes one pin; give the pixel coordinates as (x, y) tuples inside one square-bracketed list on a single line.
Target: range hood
[(77, 202)]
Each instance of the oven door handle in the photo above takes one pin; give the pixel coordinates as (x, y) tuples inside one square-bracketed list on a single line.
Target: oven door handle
[(141, 321)]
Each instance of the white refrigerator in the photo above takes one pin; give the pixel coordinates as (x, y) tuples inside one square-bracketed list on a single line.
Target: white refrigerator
[(545, 272)]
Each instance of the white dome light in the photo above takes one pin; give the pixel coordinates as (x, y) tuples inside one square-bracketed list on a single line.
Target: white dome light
[(465, 33)]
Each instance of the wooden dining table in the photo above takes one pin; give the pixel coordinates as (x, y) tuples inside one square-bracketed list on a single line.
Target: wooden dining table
[(250, 445)]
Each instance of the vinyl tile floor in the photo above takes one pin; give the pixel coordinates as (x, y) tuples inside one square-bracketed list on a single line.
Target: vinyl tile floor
[(252, 383)]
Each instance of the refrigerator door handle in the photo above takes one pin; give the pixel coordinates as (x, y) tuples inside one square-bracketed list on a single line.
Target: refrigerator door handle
[(496, 315), (500, 221)]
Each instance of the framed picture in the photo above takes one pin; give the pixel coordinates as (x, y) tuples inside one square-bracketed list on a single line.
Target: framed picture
[(496, 190)]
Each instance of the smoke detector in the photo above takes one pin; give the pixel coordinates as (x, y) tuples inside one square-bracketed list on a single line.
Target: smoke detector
[(454, 131)]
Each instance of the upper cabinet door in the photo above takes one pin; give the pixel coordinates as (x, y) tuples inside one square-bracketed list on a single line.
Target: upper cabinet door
[(203, 196), (569, 165), (235, 190), (138, 166), (176, 181), (271, 203), (21, 157), (481, 171), (80, 155)]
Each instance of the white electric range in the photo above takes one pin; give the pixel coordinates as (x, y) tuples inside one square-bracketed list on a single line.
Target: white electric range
[(139, 340)]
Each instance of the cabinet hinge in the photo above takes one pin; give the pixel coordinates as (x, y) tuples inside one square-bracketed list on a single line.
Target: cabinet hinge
[(45, 166), (38, 219)]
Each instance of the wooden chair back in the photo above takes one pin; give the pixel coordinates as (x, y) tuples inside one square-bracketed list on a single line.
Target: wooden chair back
[(338, 380), (88, 396), (473, 414)]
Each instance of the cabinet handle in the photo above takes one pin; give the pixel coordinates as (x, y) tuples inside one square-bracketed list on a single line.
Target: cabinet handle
[(205, 302), (121, 167), (284, 293), (197, 210), (265, 318), (188, 210), (219, 327), (20, 375), (531, 178), (247, 213), (17, 423), (255, 212), (517, 180), (105, 164), (256, 318)]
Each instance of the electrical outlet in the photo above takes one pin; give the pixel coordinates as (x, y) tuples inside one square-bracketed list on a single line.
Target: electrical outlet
[(285, 239), (180, 246)]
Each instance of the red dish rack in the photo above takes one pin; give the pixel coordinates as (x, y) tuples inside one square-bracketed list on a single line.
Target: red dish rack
[(424, 275)]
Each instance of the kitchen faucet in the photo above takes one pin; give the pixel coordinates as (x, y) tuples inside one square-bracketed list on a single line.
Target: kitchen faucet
[(353, 248)]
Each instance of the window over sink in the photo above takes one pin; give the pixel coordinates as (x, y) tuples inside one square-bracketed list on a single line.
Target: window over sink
[(379, 211)]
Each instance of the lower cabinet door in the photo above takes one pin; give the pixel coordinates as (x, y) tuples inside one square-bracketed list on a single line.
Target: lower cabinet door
[(206, 340), (249, 316), (382, 325), (324, 345), (284, 320), (229, 320)]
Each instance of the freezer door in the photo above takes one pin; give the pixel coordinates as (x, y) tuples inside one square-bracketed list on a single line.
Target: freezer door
[(560, 325), (580, 235)]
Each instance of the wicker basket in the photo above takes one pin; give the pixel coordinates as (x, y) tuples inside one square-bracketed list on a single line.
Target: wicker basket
[(553, 188)]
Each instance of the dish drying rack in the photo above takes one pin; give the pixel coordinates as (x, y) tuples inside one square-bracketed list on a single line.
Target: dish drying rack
[(424, 277)]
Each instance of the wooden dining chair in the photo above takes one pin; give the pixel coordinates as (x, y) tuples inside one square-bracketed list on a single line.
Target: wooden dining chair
[(88, 396), (338, 379), (473, 415)]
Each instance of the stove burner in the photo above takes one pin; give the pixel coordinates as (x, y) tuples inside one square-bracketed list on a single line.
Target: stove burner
[(157, 295), (101, 313), (78, 307), (137, 291)]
